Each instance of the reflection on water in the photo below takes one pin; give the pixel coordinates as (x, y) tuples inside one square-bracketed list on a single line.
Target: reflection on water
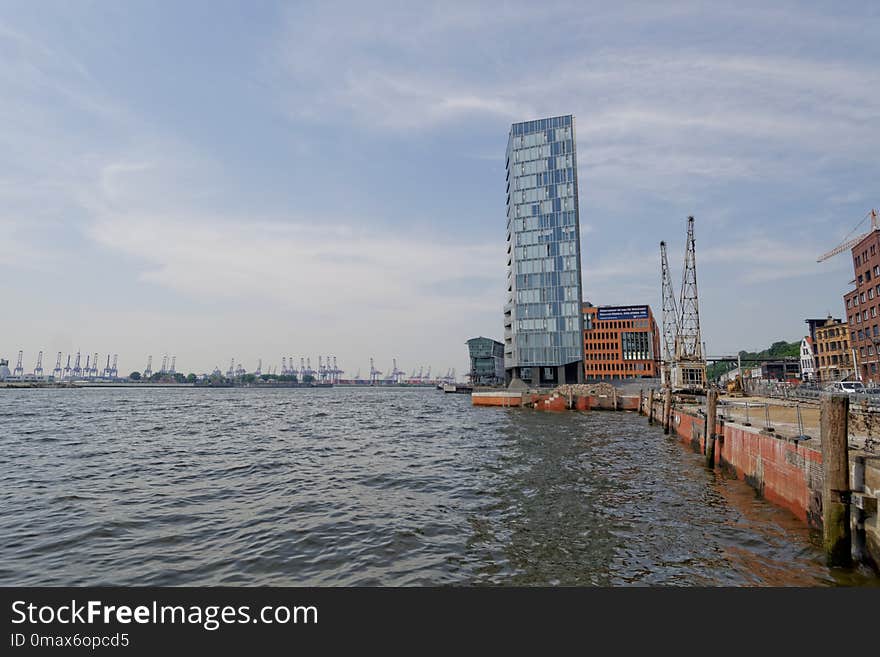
[(365, 486)]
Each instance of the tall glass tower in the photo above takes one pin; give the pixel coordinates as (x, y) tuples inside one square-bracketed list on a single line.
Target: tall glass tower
[(543, 324)]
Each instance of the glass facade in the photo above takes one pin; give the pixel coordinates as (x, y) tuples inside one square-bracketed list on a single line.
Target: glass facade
[(542, 318)]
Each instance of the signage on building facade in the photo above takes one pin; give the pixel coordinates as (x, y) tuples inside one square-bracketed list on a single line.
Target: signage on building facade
[(622, 312)]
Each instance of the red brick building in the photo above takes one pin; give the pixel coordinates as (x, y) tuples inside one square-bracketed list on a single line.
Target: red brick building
[(620, 342), (863, 307)]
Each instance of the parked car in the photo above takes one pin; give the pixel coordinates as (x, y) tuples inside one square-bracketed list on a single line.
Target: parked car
[(849, 387)]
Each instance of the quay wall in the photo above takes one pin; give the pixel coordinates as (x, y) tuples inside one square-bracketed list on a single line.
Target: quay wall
[(786, 472)]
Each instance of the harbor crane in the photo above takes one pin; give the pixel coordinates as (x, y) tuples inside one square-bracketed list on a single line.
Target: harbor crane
[(77, 369), (67, 371), (396, 374), (284, 366), (106, 372), (19, 369), (173, 369), (87, 371), (38, 369), (230, 373), (114, 372), (374, 373), (94, 371), (684, 367), (164, 368), (848, 242), (259, 370), (56, 373), (148, 372)]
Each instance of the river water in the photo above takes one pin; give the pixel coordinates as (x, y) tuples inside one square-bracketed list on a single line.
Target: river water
[(350, 486)]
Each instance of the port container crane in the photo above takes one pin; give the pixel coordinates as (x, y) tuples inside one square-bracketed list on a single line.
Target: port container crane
[(56, 373), (19, 369)]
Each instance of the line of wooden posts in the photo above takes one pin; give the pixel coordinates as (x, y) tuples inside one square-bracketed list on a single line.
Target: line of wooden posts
[(836, 493)]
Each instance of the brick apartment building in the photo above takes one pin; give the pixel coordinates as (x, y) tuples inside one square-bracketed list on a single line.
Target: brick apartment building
[(863, 308)]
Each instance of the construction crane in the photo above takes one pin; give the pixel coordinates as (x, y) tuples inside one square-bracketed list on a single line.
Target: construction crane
[(19, 369), (56, 373), (848, 242), (148, 373)]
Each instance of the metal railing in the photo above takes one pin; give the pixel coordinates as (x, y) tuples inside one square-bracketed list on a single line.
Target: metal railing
[(800, 420)]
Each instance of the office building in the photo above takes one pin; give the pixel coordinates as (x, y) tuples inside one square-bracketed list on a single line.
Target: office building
[(543, 326), (487, 361), (620, 342)]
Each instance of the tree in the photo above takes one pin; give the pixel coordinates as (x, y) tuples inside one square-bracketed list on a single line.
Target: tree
[(135, 376), (191, 378)]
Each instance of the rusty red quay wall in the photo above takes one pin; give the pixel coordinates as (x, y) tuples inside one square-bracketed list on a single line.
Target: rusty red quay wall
[(786, 473), (555, 402)]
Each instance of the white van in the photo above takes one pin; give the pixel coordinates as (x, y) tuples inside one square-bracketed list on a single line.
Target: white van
[(849, 387)]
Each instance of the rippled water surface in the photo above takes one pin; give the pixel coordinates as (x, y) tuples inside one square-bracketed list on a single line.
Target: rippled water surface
[(366, 486)]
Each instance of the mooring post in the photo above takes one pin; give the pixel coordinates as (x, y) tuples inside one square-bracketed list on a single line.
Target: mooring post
[(711, 418), (651, 406), (667, 410), (834, 429), (614, 399)]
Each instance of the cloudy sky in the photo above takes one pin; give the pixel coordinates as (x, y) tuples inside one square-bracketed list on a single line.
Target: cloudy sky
[(251, 180)]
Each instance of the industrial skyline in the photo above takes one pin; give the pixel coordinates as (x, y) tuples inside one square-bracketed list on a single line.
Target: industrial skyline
[(80, 365)]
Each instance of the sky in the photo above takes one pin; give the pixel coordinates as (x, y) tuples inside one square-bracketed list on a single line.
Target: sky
[(219, 180)]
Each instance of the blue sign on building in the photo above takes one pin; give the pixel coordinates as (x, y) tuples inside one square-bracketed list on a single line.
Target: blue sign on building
[(622, 312)]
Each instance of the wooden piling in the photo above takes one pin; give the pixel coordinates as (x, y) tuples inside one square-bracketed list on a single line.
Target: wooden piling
[(614, 399), (651, 406), (837, 539), (711, 418), (667, 410)]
